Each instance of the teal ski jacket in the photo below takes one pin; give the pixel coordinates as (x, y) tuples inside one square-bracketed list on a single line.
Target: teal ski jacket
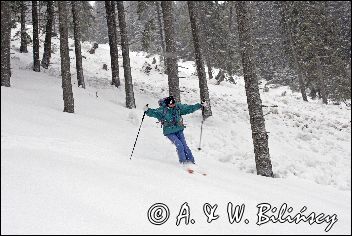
[(171, 118)]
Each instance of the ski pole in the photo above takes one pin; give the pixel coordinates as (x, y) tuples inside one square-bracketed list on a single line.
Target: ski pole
[(137, 135), (201, 131)]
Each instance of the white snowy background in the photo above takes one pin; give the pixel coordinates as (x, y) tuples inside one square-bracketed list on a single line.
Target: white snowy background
[(71, 173)]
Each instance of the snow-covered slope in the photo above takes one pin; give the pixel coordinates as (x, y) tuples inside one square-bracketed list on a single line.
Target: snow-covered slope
[(71, 173)]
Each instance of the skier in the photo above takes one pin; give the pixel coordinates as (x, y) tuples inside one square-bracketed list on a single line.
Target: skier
[(170, 114)]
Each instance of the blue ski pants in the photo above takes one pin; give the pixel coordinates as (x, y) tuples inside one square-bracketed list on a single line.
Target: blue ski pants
[(184, 153)]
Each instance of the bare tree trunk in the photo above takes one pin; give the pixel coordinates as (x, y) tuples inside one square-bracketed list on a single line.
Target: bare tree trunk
[(55, 24), (259, 134), (113, 8), (171, 57), (5, 43), (112, 43), (206, 49), (76, 8), (298, 70), (48, 34), (229, 44), (36, 61), (210, 72), (23, 47), (321, 81), (130, 102), (347, 71), (9, 44), (230, 18), (203, 86), (161, 34), (302, 86), (65, 58), (39, 7)]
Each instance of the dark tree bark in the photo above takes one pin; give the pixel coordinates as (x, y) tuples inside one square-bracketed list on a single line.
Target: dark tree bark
[(205, 34), (5, 43), (110, 15), (65, 58), (48, 35), (55, 25), (114, 12), (259, 134), (23, 47), (220, 77), (36, 61), (321, 80), (40, 13), (292, 46), (130, 102), (210, 72), (229, 49), (203, 86), (76, 8), (170, 55), (94, 47), (161, 33)]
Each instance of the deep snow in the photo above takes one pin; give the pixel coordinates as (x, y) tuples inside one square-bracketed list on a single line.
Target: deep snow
[(71, 173)]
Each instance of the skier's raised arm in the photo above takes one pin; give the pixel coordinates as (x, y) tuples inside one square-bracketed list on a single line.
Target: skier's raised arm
[(188, 109), (156, 113)]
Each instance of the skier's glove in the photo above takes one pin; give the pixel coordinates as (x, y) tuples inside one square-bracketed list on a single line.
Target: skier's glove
[(204, 104), (146, 108)]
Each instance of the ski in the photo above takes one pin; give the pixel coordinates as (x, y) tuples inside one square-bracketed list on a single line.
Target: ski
[(201, 172), (194, 171)]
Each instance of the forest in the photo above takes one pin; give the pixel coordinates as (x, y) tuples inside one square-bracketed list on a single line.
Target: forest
[(269, 83)]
